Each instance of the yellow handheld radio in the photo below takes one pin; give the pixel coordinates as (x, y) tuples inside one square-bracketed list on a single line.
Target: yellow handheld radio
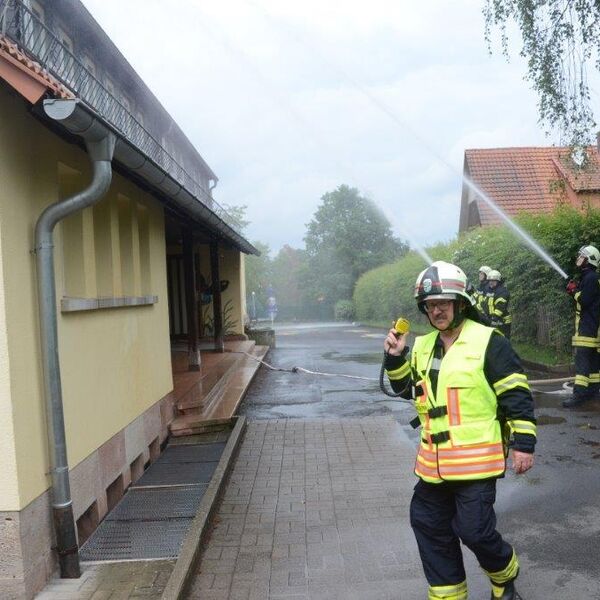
[(401, 326)]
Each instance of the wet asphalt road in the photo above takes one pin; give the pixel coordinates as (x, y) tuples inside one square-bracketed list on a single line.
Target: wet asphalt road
[(551, 514)]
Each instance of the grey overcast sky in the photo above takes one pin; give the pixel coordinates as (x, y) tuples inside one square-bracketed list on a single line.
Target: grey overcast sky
[(283, 100)]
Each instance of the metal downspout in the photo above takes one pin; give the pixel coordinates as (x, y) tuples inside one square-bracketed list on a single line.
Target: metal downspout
[(100, 146)]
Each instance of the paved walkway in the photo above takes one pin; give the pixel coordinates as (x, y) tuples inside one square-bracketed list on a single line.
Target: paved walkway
[(134, 580), (315, 509)]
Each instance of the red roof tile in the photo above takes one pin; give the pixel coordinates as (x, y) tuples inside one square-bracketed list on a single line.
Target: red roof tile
[(11, 54), (530, 179)]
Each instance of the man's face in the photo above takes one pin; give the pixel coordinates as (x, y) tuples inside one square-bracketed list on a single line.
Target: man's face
[(481, 276), (493, 284), (580, 260), (440, 313)]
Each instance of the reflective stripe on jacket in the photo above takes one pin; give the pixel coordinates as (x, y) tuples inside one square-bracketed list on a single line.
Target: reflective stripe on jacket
[(497, 306), (461, 435)]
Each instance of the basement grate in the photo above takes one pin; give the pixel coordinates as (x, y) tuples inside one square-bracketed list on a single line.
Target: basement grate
[(195, 453), (130, 540), (153, 517), (176, 474), (158, 504)]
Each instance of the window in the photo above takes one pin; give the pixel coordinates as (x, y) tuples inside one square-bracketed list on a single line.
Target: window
[(110, 86), (35, 37), (125, 121), (88, 63), (88, 87), (63, 63), (109, 107)]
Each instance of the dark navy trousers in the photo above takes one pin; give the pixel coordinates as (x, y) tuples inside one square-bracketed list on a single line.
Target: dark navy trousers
[(587, 362), (443, 514)]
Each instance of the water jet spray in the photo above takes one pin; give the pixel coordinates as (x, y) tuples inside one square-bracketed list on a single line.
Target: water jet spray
[(389, 112)]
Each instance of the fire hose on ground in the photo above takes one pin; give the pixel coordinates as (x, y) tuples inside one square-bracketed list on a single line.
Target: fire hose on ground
[(565, 389)]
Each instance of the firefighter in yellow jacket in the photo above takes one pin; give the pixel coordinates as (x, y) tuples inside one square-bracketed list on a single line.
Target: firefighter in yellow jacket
[(497, 300), (473, 402)]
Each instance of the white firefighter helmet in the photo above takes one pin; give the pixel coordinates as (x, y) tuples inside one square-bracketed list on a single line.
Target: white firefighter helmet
[(485, 270), (441, 281), (591, 254), (494, 275)]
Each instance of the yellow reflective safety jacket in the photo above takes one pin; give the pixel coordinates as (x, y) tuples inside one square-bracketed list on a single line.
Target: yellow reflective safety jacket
[(461, 437)]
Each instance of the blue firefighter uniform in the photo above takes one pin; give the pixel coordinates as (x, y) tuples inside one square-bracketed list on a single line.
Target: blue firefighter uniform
[(586, 340)]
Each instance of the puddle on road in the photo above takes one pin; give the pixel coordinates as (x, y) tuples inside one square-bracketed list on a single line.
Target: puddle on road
[(591, 443), (296, 410), (370, 358), (548, 420), (363, 390)]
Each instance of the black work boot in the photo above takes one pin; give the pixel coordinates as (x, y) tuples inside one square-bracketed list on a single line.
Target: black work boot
[(507, 591), (574, 400)]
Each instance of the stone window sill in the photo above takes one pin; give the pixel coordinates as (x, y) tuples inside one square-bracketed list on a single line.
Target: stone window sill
[(69, 304)]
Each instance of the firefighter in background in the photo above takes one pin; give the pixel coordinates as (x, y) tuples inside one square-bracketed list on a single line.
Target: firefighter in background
[(586, 294), (497, 299), (466, 379), (480, 292)]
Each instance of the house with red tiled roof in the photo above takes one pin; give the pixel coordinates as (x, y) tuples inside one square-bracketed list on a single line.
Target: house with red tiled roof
[(530, 179)]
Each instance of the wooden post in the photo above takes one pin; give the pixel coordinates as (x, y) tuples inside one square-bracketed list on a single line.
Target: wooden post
[(216, 296), (190, 300)]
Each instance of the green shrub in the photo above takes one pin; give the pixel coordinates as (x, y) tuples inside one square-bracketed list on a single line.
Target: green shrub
[(344, 310), (542, 312)]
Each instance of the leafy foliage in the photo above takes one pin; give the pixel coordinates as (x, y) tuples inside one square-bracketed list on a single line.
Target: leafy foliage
[(542, 311), (229, 322), (288, 272), (560, 37), (343, 310), (258, 276), (236, 216)]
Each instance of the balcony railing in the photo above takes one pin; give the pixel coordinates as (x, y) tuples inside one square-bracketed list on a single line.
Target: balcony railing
[(23, 27)]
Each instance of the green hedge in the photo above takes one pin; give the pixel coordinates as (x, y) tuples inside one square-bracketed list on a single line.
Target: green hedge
[(542, 311)]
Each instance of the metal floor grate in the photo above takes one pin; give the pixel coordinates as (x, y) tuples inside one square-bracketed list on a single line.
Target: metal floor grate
[(158, 504), (176, 474), (153, 517), (128, 540), (195, 453)]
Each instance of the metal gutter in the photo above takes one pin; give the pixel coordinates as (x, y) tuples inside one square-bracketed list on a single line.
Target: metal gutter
[(100, 144), (135, 161)]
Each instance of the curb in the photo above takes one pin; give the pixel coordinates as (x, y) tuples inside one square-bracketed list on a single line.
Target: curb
[(556, 369), (190, 550)]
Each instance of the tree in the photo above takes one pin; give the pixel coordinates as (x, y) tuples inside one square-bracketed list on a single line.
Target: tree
[(347, 236), (287, 272), (235, 216), (560, 38), (258, 277)]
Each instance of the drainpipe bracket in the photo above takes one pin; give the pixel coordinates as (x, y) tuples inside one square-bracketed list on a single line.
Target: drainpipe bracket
[(45, 245), (102, 149)]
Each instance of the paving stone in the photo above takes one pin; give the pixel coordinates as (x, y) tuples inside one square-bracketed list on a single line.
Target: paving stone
[(310, 506)]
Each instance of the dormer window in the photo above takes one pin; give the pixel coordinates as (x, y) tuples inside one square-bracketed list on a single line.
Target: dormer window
[(34, 34), (65, 64)]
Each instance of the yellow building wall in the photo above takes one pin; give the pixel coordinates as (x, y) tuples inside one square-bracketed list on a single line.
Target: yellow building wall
[(115, 363), (9, 485)]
